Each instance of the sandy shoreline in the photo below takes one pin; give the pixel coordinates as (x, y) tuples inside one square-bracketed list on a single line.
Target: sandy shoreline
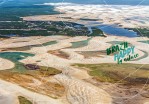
[(6, 64)]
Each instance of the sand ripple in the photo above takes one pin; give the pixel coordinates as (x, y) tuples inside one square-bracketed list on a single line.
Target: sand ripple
[(80, 92)]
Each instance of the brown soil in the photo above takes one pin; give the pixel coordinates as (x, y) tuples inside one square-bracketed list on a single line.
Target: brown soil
[(59, 53), (34, 83)]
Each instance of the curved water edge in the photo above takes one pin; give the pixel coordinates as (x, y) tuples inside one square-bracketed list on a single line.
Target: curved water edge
[(80, 44), (15, 57), (145, 41), (49, 43), (111, 29), (117, 31), (26, 48), (145, 55)]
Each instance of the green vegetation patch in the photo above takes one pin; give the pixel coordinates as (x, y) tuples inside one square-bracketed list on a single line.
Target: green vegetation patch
[(144, 41), (23, 100), (38, 28), (29, 68), (124, 73), (87, 19), (44, 71), (97, 32), (30, 71), (141, 31), (25, 32)]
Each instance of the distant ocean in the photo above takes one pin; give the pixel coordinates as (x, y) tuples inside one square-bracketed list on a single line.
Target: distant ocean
[(13, 9), (107, 2)]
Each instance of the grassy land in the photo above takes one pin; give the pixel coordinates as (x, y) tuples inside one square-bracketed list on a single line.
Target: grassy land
[(86, 19), (47, 71), (145, 41), (97, 32), (23, 100), (35, 80), (38, 28), (41, 72), (114, 72), (141, 31), (26, 33)]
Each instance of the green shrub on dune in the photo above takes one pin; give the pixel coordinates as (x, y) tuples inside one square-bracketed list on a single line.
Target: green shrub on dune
[(23, 100)]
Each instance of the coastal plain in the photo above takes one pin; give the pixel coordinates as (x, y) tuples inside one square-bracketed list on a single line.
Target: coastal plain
[(63, 69), (71, 76)]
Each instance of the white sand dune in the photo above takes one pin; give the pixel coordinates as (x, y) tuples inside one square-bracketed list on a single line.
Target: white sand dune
[(5, 64), (28, 41), (17, 90), (124, 15), (77, 90), (7, 97), (80, 92), (95, 44)]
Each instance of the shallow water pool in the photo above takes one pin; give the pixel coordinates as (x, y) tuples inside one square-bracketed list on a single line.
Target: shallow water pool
[(15, 57)]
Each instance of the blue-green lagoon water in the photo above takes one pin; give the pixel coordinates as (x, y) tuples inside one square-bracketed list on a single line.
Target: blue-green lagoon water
[(80, 44), (15, 57)]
